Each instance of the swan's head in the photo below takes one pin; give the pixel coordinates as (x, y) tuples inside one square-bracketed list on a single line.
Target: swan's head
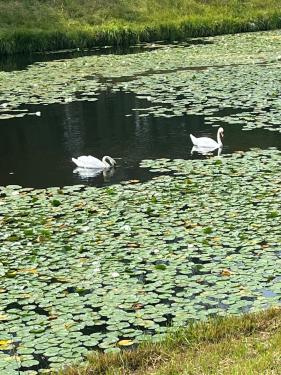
[(221, 131)]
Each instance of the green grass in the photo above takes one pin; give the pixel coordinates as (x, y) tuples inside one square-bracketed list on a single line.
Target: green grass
[(33, 25), (250, 344)]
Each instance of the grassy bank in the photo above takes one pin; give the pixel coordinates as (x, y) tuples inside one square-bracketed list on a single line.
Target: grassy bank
[(250, 344), (32, 25)]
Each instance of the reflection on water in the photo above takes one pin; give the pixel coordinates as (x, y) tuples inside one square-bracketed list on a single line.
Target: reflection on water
[(207, 150), (37, 151), (21, 61), (88, 173)]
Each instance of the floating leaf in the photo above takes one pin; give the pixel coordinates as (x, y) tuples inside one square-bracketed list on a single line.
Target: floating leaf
[(4, 344), (125, 342), (226, 272)]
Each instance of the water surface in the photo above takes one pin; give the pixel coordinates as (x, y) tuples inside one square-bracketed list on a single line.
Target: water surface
[(37, 151), (22, 61)]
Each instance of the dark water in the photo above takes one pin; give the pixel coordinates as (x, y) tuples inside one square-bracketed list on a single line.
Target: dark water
[(21, 61), (37, 151)]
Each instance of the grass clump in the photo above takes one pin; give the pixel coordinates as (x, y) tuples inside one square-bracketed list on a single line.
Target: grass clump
[(249, 344), (33, 25)]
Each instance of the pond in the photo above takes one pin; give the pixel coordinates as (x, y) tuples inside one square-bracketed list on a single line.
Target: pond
[(96, 262), (36, 151)]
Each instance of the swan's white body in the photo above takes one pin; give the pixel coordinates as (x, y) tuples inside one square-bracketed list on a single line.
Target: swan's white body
[(90, 162), (208, 143)]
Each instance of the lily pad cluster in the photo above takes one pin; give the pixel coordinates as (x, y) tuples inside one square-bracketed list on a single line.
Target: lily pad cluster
[(83, 268), (248, 95), (232, 71)]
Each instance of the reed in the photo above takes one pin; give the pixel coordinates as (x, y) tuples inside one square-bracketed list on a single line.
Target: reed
[(32, 25)]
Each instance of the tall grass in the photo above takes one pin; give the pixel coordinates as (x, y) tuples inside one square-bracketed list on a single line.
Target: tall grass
[(249, 344), (33, 25)]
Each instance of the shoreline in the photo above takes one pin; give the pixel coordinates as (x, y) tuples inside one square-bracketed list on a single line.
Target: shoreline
[(245, 344)]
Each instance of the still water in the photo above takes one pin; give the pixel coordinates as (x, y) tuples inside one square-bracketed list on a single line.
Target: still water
[(22, 61), (10, 63), (37, 151)]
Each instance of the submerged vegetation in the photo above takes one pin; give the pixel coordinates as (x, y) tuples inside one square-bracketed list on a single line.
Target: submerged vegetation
[(250, 344), (32, 25)]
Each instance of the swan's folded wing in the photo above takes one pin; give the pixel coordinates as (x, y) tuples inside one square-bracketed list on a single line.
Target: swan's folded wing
[(93, 162), (88, 162), (206, 142)]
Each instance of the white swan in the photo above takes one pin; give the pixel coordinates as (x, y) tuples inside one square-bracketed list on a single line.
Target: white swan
[(95, 163), (206, 142)]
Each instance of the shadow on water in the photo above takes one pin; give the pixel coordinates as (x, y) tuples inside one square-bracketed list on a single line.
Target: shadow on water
[(37, 151), (21, 61)]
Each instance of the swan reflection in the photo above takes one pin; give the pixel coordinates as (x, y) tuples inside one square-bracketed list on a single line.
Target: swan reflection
[(86, 173), (206, 150)]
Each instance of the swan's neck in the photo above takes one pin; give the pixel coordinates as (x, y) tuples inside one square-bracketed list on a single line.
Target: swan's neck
[(108, 161), (219, 138), (104, 160)]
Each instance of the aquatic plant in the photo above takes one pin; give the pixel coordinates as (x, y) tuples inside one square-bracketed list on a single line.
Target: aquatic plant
[(241, 72), (85, 268)]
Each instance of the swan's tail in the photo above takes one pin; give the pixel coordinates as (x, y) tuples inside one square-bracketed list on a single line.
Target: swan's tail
[(75, 161), (193, 139)]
